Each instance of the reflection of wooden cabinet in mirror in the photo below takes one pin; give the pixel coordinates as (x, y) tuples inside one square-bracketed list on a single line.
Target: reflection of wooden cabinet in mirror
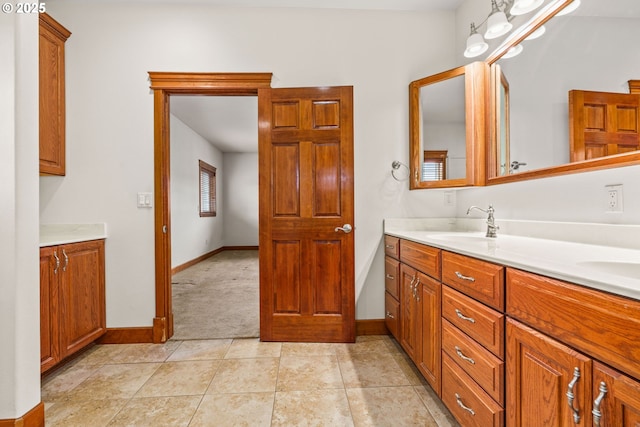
[(447, 124), (602, 124)]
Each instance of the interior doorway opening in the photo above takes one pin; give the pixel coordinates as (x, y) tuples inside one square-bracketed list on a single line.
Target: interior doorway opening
[(214, 255), (164, 85)]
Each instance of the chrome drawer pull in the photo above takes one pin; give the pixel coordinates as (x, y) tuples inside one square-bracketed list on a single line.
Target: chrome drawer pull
[(390, 316), (463, 277), (463, 317), (462, 405), (390, 277), (389, 246), (597, 414), (571, 396), (66, 260), (463, 357), (55, 255)]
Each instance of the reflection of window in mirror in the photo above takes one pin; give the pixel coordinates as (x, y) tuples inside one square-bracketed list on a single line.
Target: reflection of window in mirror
[(434, 166)]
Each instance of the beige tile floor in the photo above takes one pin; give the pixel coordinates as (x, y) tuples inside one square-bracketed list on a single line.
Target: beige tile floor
[(242, 382)]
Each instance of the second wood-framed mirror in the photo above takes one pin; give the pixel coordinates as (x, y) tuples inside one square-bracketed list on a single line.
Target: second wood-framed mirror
[(587, 50), (448, 128)]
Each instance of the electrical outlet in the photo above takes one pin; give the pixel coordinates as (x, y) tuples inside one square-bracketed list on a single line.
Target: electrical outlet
[(613, 195), (449, 198)]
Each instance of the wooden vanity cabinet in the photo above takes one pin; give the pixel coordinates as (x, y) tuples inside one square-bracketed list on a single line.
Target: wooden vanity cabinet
[(540, 373), (52, 38), (392, 285), (562, 327), (49, 306), (473, 368), (413, 303), (72, 304), (618, 396)]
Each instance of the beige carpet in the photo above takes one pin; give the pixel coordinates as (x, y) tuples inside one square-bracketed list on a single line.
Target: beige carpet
[(218, 298)]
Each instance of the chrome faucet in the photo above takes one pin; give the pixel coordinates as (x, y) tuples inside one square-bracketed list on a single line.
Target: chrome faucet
[(491, 221)]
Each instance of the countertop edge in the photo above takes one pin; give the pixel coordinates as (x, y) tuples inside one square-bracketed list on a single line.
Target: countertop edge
[(61, 234), (560, 269)]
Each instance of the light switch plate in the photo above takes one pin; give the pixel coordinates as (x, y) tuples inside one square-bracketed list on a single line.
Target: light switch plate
[(145, 200)]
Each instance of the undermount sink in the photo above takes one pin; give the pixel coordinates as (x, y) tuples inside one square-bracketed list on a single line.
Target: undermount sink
[(619, 268)]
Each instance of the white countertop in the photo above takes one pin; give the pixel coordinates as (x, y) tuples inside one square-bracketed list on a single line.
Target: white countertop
[(608, 268), (59, 234)]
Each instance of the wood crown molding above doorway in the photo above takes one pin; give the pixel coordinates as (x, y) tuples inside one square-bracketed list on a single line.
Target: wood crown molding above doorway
[(165, 84)]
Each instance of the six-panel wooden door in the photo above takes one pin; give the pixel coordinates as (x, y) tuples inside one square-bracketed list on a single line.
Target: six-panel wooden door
[(307, 290)]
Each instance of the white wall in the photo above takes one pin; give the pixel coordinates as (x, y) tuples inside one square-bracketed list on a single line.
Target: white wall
[(19, 287), (191, 234), (110, 115), (574, 198), (241, 199)]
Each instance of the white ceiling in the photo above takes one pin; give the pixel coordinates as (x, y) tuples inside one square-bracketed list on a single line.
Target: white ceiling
[(231, 122)]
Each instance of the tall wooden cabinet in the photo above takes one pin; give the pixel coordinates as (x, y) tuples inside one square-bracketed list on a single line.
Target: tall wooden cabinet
[(72, 299), (52, 95)]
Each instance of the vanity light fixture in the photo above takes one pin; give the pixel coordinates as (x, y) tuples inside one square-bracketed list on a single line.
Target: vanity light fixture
[(537, 33), (513, 51), (521, 7), (570, 8), (497, 23), (475, 44)]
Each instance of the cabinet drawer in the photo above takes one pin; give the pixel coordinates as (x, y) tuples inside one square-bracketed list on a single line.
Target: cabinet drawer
[(392, 311), (480, 280), (392, 276), (605, 326), (392, 246), (468, 403), (485, 368), (480, 322), (421, 257)]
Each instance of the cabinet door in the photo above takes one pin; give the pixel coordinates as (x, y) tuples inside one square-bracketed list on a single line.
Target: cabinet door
[(616, 398), (548, 384), (52, 98), (82, 310), (49, 335), (430, 354), (410, 311)]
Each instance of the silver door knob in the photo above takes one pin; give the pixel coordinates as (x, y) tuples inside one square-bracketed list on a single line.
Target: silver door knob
[(345, 228)]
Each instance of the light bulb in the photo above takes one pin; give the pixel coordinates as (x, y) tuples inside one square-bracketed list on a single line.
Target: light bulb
[(520, 7)]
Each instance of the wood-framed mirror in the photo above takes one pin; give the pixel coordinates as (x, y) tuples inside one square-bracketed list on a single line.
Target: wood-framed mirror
[(447, 128), (549, 131)]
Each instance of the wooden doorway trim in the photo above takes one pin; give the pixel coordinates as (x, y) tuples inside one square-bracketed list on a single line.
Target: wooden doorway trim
[(165, 84)]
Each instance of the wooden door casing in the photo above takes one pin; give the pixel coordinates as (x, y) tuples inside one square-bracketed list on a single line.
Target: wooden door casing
[(307, 278), (603, 124)]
